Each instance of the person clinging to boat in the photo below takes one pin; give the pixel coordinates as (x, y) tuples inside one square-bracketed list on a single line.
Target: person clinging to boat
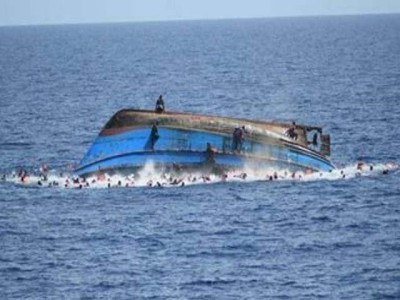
[(210, 151), (160, 107), (237, 139), (291, 132), (154, 136)]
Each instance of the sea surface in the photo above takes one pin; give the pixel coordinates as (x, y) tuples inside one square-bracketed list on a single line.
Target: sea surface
[(321, 238)]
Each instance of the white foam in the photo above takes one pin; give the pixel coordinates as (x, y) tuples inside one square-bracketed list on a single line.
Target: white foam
[(149, 176)]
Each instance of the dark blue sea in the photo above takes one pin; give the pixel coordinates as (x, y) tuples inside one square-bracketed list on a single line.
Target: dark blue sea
[(326, 238)]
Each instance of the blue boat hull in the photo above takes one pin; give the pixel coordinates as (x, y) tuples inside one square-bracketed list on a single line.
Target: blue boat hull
[(132, 148)]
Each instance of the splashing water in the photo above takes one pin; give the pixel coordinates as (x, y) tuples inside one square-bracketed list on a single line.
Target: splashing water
[(149, 176)]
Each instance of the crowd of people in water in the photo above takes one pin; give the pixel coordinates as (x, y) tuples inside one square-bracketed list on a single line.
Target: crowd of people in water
[(181, 178)]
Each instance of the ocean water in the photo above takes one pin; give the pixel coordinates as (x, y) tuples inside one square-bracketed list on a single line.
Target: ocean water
[(317, 237)]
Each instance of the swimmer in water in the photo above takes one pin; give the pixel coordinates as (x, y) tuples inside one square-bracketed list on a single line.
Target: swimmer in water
[(360, 166), (242, 175)]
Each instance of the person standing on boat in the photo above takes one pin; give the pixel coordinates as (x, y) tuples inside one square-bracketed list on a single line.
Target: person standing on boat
[(160, 107)]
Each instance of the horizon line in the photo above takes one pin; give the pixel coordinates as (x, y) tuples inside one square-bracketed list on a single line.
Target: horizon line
[(197, 19)]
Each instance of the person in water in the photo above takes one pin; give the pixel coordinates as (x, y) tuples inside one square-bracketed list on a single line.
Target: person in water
[(160, 107)]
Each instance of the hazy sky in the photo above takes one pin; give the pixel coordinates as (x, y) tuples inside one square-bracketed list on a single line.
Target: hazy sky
[(20, 12)]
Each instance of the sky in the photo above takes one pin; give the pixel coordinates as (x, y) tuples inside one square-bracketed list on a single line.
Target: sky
[(30, 12)]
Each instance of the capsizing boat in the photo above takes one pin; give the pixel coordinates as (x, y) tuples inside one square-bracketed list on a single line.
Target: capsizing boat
[(132, 138)]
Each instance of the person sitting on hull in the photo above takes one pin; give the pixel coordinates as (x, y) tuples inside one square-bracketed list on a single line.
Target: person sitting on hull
[(291, 132), (160, 107)]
